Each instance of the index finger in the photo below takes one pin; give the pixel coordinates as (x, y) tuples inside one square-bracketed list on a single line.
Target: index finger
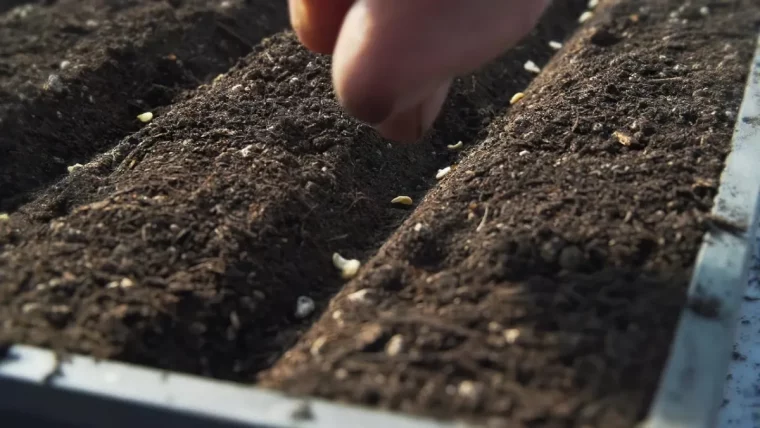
[(317, 22)]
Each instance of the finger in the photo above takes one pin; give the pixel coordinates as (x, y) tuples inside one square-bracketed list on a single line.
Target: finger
[(391, 55), (409, 125), (317, 22)]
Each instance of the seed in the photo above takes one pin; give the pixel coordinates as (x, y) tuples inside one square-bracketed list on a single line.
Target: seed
[(360, 296), (623, 138), (585, 16), (443, 172), (316, 347), (395, 345), (593, 3), (402, 200), (704, 11), (523, 153), (516, 98), (532, 67), (348, 268), (4, 217), (74, 167), (511, 335), (304, 307), (555, 45), (455, 147), (145, 117)]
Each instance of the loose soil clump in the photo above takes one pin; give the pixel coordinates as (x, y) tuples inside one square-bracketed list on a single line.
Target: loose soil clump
[(540, 283)]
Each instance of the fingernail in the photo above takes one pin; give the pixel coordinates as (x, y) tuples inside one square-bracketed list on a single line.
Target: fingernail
[(318, 22)]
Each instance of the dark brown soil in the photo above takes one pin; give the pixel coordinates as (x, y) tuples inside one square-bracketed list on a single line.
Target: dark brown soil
[(537, 285), (74, 74), (225, 210)]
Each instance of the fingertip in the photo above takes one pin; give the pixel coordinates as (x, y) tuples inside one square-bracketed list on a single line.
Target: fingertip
[(317, 22)]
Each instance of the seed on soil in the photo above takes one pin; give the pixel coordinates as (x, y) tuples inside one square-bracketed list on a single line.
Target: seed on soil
[(455, 147), (443, 172), (395, 345), (516, 98), (523, 153), (532, 67), (304, 307), (74, 167), (623, 138), (402, 200), (704, 11), (361, 296), (348, 268), (124, 283), (64, 64), (593, 4), (316, 347), (585, 16), (4, 217), (511, 335), (217, 79), (555, 45), (145, 117)]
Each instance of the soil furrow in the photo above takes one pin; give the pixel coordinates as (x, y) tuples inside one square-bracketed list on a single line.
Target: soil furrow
[(539, 284), (188, 246), (74, 75)]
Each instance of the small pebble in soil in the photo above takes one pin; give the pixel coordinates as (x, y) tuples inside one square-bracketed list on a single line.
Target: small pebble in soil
[(455, 147), (402, 200), (54, 84), (395, 345), (145, 117), (516, 98), (246, 151), (74, 167), (348, 268), (4, 217), (585, 16), (532, 67), (555, 45), (304, 307), (443, 172)]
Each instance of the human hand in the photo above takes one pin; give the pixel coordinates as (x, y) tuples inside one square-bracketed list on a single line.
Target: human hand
[(394, 60)]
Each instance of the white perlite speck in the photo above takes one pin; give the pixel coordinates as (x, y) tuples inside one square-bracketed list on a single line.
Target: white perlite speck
[(704, 11), (246, 151), (532, 67), (304, 307), (593, 3), (585, 16), (555, 45)]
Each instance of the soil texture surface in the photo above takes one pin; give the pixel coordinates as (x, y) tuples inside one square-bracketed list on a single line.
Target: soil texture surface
[(537, 284), (540, 283)]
